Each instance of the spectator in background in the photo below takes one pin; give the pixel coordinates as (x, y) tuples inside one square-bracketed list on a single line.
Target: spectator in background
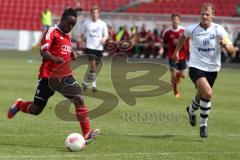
[(78, 7), (119, 33), (126, 35), (122, 34), (164, 28), (225, 57), (156, 48), (149, 45), (46, 19), (111, 38), (134, 31), (237, 45), (142, 41), (111, 34), (134, 40), (165, 47), (238, 9)]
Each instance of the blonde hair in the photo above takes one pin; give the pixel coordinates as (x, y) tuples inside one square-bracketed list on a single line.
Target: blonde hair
[(95, 7), (209, 5)]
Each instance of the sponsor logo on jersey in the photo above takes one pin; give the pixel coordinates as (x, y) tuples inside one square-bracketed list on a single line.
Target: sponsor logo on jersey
[(206, 49), (66, 48), (94, 32), (206, 42), (212, 36)]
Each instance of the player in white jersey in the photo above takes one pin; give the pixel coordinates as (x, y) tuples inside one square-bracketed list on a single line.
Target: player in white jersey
[(94, 35), (205, 61)]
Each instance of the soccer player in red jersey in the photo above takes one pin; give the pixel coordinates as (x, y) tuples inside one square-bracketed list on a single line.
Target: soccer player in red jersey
[(171, 38), (56, 52)]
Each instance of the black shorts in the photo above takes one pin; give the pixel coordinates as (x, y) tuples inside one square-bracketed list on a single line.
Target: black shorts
[(67, 86), (195, 74), (94, 54), (181, 65)]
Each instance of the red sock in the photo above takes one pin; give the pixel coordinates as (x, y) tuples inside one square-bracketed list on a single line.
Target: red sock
[(178, 77), (175, 90), (24, 106), (82, 116)]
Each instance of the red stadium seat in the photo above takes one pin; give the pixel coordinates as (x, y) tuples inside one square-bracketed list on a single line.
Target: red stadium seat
[(25, 14), (186, 7)]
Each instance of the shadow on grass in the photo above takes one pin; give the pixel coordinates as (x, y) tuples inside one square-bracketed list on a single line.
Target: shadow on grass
[(166, 136), (179, 138)]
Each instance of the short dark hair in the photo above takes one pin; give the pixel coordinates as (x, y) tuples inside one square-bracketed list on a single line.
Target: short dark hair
[(69, 12), (175, 15)]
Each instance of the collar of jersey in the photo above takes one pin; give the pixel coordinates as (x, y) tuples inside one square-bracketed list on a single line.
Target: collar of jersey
[(207, 28), (56, 26), (176, 30), (94, 21)]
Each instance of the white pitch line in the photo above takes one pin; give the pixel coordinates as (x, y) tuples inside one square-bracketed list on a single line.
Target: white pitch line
[(117, 154), (165, 134)]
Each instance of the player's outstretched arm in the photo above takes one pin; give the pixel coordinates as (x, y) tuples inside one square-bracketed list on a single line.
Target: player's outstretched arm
[(182, 40), (48, 56)]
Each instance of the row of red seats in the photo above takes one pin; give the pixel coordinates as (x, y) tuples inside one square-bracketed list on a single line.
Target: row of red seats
[(25, 14), (105, 5), (186, 7)]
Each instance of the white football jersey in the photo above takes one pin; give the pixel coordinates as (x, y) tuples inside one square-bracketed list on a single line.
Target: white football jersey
[(205, 50), (94, 32)]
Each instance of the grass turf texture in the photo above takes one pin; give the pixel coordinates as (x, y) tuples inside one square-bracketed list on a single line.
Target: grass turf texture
[(165, 137)]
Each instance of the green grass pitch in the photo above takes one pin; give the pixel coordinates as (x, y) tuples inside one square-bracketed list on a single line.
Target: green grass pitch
[(124, 134)]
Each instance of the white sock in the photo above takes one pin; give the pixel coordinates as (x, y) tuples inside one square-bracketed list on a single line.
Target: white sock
[(85, 83), (94, 84), (194, 106), (205, 108)]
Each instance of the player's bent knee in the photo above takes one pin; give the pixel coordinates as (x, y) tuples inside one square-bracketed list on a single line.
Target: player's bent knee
[(183, 75), (37, 113), (78, 100), (207, 94), (98, 61), (174, 76), (36, 110)]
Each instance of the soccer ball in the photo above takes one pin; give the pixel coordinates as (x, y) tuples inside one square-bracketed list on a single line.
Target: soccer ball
[(75, 142)]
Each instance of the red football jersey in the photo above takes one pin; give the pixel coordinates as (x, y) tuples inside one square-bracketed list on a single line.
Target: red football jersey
[(171, 37), (59, 45), (143, 36)]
